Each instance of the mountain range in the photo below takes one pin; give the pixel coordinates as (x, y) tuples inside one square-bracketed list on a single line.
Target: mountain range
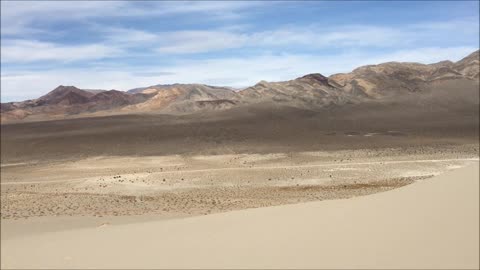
[(392, 81)]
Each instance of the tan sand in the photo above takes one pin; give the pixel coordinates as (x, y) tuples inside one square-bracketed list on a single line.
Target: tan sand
[(430, 224)]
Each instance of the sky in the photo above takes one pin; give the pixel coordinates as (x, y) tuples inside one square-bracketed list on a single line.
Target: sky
[(123, 45)]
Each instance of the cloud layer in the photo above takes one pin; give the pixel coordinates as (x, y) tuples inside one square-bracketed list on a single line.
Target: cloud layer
[(125, 44)]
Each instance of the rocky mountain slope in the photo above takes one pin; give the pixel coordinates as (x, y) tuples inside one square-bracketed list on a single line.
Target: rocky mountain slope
[(377, 81), (68, 100), (184, 98), (364, 83), (373, 83)]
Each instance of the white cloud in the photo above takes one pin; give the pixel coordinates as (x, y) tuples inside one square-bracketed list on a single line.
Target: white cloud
[(216, 9), (200, 41), (19, 51), (20, 17), (308, 37), (241, 72), (127, 36), (452, 25), (280, 53), (236, 72), (119, 42), (424, 55)]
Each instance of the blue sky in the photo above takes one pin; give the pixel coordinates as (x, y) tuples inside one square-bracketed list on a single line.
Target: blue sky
[(123, 45)]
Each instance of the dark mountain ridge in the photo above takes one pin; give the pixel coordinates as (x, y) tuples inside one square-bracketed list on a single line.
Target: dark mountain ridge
[(364, 84)]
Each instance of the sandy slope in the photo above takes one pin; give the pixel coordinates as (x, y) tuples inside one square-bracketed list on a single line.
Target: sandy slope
[(430, 224)]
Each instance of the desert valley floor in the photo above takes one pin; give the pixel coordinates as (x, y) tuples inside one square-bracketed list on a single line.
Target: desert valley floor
[(81, 184), (179, 186), (239, 134), (103, 173), (167, 166), (185, 185)]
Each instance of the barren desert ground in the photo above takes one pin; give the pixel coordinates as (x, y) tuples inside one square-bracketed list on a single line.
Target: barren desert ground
[(198, 185), (176, 166), (430, 225), (73, 178), (75, 174), (239, 134)]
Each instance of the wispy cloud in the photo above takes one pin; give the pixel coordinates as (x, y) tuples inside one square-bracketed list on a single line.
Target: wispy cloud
[(423, 55), (311, 37), (119, 42), (232, 71), (20, 18), (245, 71), (200, 41), (127, 36), (126, 44), (18, 51)]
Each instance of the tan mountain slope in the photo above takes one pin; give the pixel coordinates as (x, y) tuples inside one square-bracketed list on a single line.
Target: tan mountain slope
[(371, 82), (183, 98), (387, 81), (393, 78), (310, 90), (469, 66)]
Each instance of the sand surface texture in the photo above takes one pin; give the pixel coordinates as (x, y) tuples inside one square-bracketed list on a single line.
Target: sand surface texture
[(429, 224)]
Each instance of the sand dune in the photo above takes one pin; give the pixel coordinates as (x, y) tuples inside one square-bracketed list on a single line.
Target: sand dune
[(430, 224)]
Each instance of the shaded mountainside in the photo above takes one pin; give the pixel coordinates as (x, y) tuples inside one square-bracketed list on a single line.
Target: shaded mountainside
[(68, 100), (378, 83), (65, 95)]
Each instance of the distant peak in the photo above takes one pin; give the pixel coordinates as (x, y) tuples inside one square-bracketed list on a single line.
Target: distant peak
[(315, 77), (444, 62), (475, 53), (64, 88), (471, 57), (262, 83)]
